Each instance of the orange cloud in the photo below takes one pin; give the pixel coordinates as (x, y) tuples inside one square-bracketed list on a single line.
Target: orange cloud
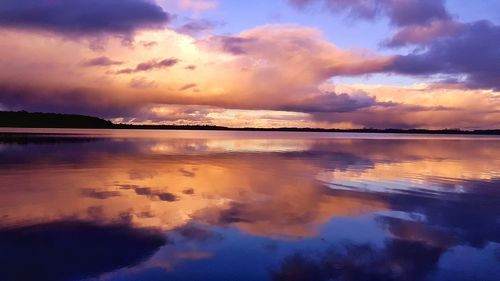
[(281, 65), (275, 71)]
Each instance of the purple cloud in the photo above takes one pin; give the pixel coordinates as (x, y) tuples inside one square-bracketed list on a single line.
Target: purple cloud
[(188, 86), (474, 53), (151, 65), (400, 12), (332, 102), (423, 34), (356, 8), (101, 61), (231, 44), (411, 12), (82, 17), (75, 100), (471, 50), (198, 26)]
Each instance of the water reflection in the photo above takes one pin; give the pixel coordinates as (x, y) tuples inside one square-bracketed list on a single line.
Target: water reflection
[(272, 206), (72, 250)]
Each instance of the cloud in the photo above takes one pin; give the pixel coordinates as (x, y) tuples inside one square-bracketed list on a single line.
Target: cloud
[(357, 8), (275, 66), (418, 21), (399, 12), (167, 197), (187, 87), (420, 106), (411, 12), (82, 17), (332, 102), (153, 194), (101, 61), (299, 53), (197, 5), (396, 116), (182, 114), (65, 100), (473, 52), (422, 34), (231, 44), (198, 26), (273, 75), (150, 65), (100, 194)]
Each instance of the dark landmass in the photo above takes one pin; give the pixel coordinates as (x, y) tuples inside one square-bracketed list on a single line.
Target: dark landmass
[(23, 119)]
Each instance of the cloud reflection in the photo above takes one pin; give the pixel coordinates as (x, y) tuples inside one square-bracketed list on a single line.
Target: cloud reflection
[(427, 197), (62, 251)]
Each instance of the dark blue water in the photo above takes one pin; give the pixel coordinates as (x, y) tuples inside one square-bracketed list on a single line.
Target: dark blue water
[(149, 205)]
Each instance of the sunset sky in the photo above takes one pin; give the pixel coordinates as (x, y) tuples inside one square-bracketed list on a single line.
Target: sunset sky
[(262, 63)]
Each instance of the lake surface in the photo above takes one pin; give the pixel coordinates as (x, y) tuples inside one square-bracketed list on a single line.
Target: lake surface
[(189, 205)]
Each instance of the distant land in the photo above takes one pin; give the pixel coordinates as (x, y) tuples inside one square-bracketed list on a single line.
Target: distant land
[(23, 119)]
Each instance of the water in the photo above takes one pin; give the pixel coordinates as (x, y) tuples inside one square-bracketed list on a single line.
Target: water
[(172, 205)]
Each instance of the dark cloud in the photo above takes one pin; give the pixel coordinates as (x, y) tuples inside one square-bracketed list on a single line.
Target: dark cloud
[(127, 186), (411, 12), (100, 194), (332, 102), (162, 196), (166, 196), (144, 191), (231, 44), (101, 61), (82, 17), (72, 250), (86, 101), (400, 12), (198, 26), (188, 86), (383, 116), (474, 52), (150, 65)]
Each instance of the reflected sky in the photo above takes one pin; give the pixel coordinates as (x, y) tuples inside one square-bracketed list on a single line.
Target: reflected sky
[(247, 206)]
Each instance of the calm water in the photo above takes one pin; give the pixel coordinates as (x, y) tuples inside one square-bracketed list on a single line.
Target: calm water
[(151, 205)]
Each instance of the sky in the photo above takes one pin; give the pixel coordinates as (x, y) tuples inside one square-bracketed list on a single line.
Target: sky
[(265, 63)]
